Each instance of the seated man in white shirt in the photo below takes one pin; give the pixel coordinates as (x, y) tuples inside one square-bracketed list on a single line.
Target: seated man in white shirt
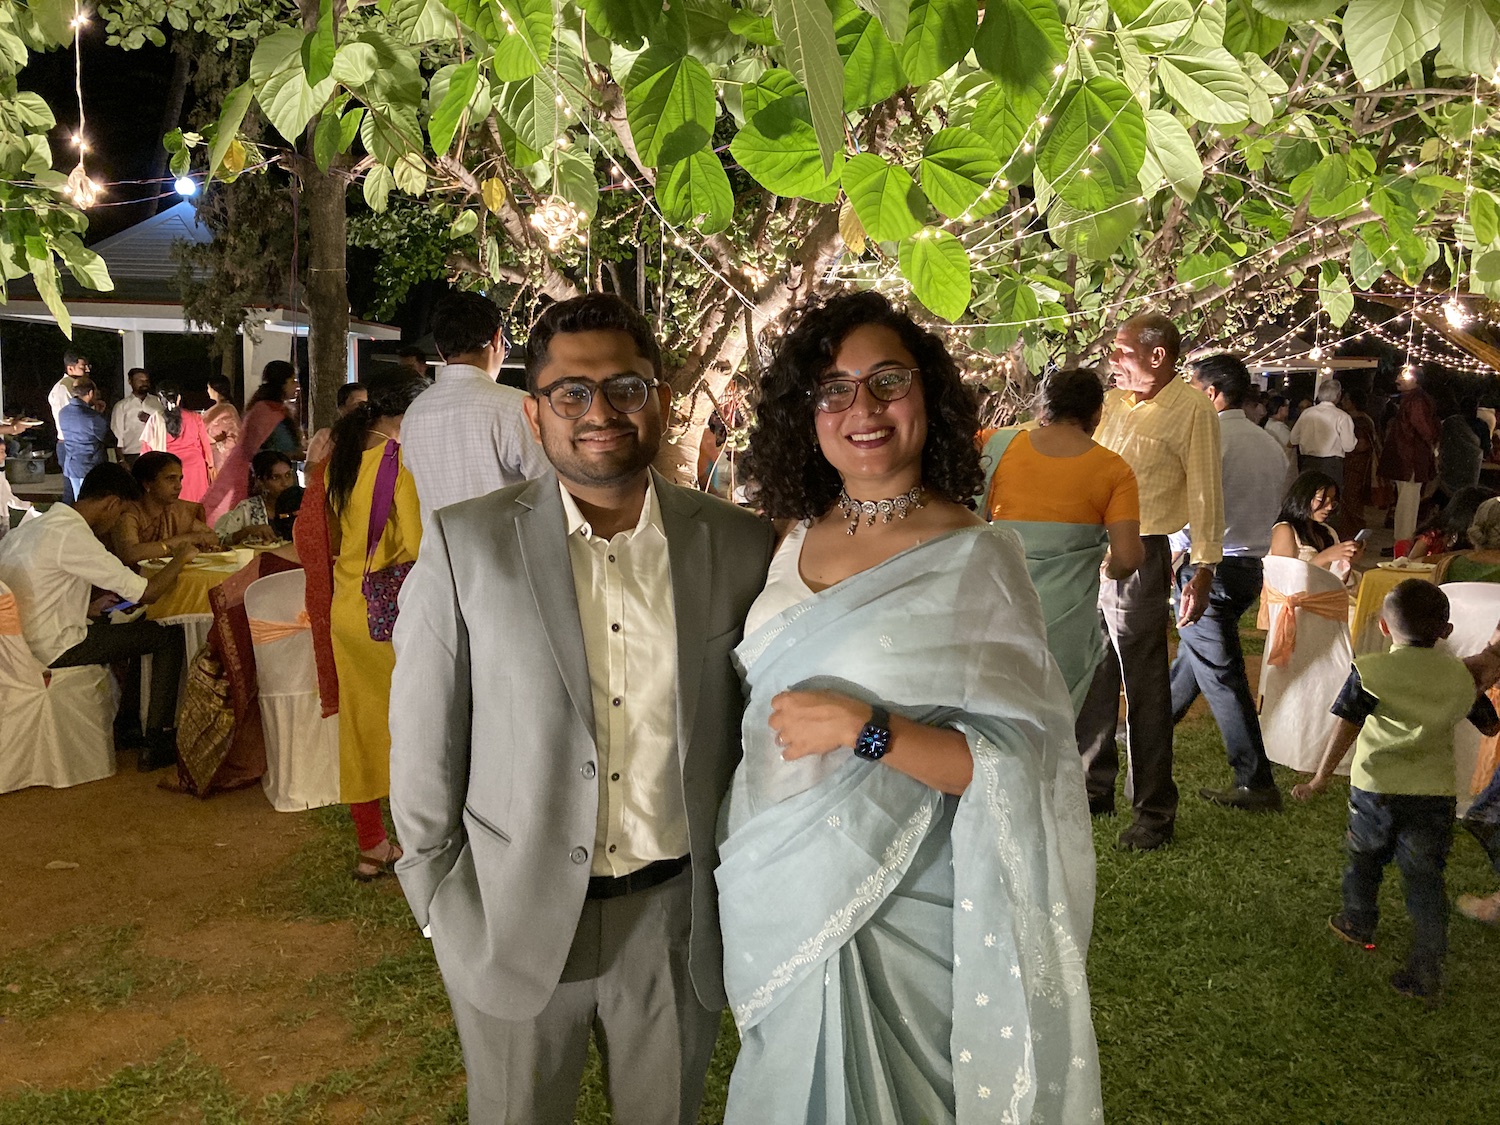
[(465, 435), (51, 565)]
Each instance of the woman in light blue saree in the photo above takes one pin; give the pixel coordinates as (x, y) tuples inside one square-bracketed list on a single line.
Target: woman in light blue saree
[(906, 875), (1076, 507)]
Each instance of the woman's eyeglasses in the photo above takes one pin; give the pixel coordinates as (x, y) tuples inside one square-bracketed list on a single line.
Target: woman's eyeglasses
[(571, 398), (834, 396)]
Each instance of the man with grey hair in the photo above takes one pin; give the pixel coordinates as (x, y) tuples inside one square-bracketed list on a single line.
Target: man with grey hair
[(1324, 434)]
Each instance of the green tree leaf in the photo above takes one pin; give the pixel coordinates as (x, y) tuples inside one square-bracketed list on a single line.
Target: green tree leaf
[(892, 14), (355, 64), (1470, 35), (520, 54), (1013, 308), (1207, 82), (938, 34), (1298, 11), (326, 138), (1248, 31), (1199, 271), (54, 18), (937, 266), (1162, 23), (957, 168), (669, 102), (87, 267), (1385, 37), (1092, 235), (319, 46), (811, 52), (529, 108), (1171, 156), (290, 103), (1006, 117), (462, 81), (872, 72), (778, 147), (1485, 217), (1093, 152), (626, 22), (48, 283), (574, 178), (695, 190), (757, 29), (1334, 293), (886, 199), (410, 174), (1487, 266), (466, 224), (1020, 42), (231, 116)]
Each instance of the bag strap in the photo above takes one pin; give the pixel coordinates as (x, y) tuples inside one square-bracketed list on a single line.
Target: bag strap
[(380, 502), (989, 459)]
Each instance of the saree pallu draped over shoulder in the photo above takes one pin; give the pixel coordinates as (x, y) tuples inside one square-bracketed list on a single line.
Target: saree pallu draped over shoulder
[(892, 954)]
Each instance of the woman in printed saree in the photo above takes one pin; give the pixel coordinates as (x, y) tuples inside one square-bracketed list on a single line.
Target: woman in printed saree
[(221, 419), (374, 525), (906, 875), (1076, 507)]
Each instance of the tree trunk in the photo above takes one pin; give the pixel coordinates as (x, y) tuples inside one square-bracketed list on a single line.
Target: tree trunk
[(327, 290)]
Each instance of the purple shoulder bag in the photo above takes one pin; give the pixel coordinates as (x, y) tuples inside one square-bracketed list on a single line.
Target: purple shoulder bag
[(381, 587)]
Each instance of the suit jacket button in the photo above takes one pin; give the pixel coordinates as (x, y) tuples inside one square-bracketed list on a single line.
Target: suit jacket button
[(588, 769), (580, 855)]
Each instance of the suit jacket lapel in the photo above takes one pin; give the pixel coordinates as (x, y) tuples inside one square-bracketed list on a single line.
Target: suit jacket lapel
[(543, 533), (689, 555)]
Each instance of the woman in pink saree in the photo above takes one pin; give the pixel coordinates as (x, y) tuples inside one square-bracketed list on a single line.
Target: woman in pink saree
[(222, 420), (268, 424)]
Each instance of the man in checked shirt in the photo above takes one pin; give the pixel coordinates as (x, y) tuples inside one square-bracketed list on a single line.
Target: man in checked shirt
[(1169, 435)]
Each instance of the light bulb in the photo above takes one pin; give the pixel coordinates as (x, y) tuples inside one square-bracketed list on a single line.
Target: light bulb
[(185, 186)]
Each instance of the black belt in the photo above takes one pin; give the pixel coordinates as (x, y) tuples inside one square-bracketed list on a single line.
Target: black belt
[(652, 875)]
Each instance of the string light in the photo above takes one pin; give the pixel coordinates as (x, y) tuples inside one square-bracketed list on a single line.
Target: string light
[(83, 191)]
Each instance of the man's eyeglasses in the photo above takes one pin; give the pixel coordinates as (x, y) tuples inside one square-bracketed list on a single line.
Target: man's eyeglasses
[(571, 398), (834, 396)]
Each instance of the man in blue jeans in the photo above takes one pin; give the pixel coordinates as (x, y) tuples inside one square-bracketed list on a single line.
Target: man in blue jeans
[(85, 434), (1398, 710), (1210, 660)]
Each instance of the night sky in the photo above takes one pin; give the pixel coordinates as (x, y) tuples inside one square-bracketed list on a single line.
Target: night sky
[(123, 96)]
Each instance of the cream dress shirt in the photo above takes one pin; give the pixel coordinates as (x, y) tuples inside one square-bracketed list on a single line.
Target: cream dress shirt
[(51, 564), (125, 421), (624, 589)]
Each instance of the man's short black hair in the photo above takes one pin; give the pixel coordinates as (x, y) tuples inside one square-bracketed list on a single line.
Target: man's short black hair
[(464, 322), (72, 356), (346, 390), (1225, 375), (82, 388), (593, 312), (1416, 611), (109, 479), (134, 371)]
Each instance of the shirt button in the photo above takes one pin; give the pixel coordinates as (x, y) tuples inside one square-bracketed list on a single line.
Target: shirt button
[(611, 558), (616, 701), (580, 855), (588, 769), (615, 628), (611, 849), (614, 777)]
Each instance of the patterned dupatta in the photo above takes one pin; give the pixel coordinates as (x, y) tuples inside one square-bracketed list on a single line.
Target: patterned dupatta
[(817, 857), (315, 549)]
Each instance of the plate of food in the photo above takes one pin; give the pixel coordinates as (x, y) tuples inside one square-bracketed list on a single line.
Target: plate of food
[(1416, 566)]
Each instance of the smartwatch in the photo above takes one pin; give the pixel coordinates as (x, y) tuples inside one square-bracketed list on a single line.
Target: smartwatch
[(874, 740)]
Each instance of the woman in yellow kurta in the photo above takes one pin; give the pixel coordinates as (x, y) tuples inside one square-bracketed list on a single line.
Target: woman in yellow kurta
[(364, 440)]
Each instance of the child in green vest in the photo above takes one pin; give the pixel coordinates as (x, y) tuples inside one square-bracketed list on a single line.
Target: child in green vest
[(1398, 710)]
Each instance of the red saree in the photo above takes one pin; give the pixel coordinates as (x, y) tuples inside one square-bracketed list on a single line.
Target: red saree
[(310, 534), (233, 482)]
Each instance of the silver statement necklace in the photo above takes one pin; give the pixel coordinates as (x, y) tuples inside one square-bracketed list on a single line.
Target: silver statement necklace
[(896, 507)]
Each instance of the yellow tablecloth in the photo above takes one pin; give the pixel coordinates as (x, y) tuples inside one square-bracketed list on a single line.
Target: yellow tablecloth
[(1364, 624), (190, 592)]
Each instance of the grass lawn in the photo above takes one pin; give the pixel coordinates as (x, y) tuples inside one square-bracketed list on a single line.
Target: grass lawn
[(1220, 996)]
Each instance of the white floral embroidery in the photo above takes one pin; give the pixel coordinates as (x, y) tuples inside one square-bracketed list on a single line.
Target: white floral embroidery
[(1007, 1032), (1059, 909), (967, 904), (1054, 1088), (872, 890), (1015, 971), (834, 821), (886, 642), (989, 941), (982, 999), (964, 1056), (1096, 1114), (984, 1091), (1078, 1062), (957, 960)]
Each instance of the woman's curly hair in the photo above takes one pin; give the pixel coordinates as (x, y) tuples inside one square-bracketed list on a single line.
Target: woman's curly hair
[(790, 477)]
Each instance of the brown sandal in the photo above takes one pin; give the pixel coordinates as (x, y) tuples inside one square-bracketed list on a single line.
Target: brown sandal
[(367, 868)]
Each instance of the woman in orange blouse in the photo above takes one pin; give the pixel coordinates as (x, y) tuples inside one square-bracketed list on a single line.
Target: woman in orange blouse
[(1076, 508)]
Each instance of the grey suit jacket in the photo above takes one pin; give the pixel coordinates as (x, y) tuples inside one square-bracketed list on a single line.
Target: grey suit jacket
[(493, 759)]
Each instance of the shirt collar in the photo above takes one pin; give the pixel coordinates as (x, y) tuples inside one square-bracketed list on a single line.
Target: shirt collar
[(452, 370), (650, 513), (1160, 398), (1232, 412)]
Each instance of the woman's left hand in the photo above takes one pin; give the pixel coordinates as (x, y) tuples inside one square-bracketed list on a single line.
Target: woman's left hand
[(816, 722)]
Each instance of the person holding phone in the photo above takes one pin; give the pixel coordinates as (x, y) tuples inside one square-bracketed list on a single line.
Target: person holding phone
[(51, 563), (1302, 530)]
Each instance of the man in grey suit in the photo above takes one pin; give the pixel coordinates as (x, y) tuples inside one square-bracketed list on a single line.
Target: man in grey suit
[(564, 723)]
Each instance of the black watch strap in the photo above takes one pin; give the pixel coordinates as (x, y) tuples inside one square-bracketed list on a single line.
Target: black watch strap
[(874, 740)]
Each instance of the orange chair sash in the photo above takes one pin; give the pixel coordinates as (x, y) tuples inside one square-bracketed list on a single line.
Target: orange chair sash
[(264, 632), (1282, 642), (1489, 753), (10, 616)]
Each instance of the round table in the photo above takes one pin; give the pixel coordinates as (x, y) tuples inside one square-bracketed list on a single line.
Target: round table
[(189, 594), (1378, 581)]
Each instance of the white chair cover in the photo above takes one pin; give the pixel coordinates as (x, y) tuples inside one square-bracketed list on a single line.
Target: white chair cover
[(56, 727), (1474, 610), (302, 747), (1295, 698)]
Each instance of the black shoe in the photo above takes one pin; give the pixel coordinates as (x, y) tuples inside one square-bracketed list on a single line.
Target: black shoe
[(1144, 838), (1426, 987), (1243, 797), (1102, 806), (1487, 834), (159, 751), (1346, 929)]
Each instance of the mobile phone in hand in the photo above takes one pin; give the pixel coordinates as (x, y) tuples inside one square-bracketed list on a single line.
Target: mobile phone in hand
[(1362, 535)]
